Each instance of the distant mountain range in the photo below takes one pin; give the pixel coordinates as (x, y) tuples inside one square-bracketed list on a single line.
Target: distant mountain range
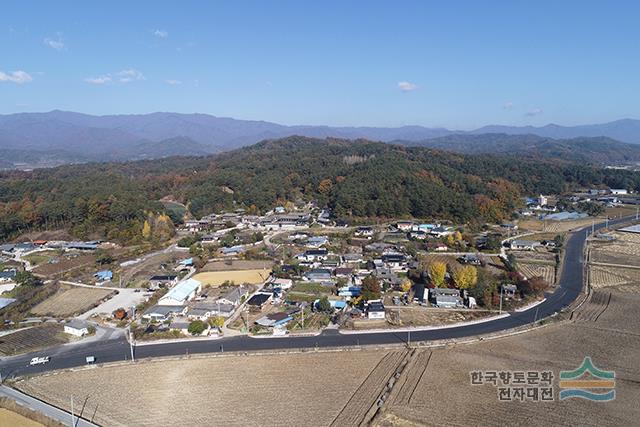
[(599, 150), (56, 137)]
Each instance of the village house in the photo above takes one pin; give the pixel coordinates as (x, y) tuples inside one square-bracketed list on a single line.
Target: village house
[(181, 326), (259, 300), (313, 255), (375, 310), (181, 293), (349, 291), (445, 298), (509, 291), (472, 259), (366, 232), (103, 276), (352, 258), (404, 225), (210, 239), (318, 275), (213, 308), (418, 235), (235, 296), (198, 314), (232, 250), (524, 245), (281, 283), (395, 261), (160, 281), (343, 272), (274, 320), (441, 231), (162, 313), (8, 275), (317, 241)]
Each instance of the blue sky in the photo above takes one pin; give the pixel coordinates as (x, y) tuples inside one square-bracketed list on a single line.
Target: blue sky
[(458, 64)]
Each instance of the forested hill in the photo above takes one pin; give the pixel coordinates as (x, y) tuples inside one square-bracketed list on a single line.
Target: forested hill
[(356, 178), (597, 150)]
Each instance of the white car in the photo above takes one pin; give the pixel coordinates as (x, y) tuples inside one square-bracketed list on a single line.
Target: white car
[(39, 360)]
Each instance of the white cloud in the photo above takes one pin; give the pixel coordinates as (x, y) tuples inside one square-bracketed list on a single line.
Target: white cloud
[(56, 43), (173, 82), (407, 87), (534, 112), (129, 75), (18, 77), (508, 105), (100, 80), (163, 34)]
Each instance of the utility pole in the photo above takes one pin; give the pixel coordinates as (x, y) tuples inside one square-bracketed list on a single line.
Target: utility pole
[(501, 287), (535, 318), (637, 212), (73, 422), (409, 338), (133, 359)]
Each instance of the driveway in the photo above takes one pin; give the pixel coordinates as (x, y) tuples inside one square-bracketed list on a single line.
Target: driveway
[(126, 298)]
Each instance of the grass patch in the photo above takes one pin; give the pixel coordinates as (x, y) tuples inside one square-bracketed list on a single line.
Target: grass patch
[(311, 288)]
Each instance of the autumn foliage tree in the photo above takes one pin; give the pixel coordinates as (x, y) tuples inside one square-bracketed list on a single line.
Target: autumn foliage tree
[(437, 272), (466, 277), (534, 286), (371, 288)]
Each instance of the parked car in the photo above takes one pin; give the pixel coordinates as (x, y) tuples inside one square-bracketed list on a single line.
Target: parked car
[(90, 360)]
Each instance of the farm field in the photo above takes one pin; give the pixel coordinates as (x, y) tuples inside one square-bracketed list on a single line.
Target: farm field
[(70, 300), (138, 274), (421, 316), (622, 279), (493, 263), (445, 373), (66, 264), (547, 272), (227, 390), (553, 226), (8, 418), (624, 250), (41, 257), (217, 278), (234, 265), (32, 339)]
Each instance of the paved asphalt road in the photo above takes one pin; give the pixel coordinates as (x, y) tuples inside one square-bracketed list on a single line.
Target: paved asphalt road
[(118, 349)]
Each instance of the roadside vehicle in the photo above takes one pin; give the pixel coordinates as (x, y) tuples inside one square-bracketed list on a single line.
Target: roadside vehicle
[(90, 360), (39, 360)]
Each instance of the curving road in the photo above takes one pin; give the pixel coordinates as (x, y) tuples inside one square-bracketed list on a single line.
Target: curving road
[(118, 349)]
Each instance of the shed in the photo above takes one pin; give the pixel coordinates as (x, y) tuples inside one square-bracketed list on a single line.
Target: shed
[(76, 327)]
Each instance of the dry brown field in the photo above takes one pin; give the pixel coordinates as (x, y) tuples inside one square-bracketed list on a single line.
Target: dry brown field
[(421, 316), (66, 265), (233, 265), (70, 300), (32, 339), (435, 388), (553, 226), (285, 390), (547, 272), (625, 250), (8, 418), (217, 278), (541, 256)]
